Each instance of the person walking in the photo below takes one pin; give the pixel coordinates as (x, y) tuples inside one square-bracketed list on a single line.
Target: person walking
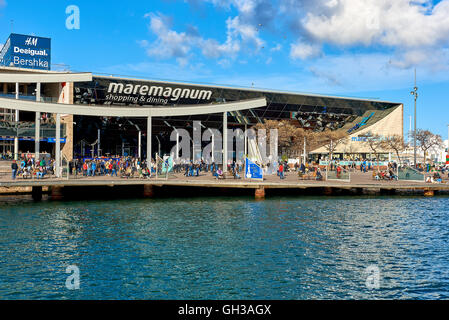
[(14, 168), (281, 171)]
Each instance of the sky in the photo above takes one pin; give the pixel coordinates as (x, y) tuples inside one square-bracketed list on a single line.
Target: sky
[(355, 48)]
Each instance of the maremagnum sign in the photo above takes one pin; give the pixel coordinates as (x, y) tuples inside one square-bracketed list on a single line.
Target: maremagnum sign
[(25, 51), (144, 93), (140, 92)]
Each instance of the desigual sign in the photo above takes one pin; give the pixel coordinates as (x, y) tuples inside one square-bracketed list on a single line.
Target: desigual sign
[(25, 51)]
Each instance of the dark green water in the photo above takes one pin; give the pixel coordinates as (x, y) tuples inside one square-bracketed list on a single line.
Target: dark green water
[(222, 248)]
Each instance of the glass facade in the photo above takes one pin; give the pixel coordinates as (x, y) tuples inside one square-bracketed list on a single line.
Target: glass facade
[(314, 112)]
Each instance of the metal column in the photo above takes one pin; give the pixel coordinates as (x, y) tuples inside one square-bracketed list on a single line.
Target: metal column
[(37, 132), (58, 146), (16, 139), (304, 152), (177, 144), (213, 146), (98, 143), (246, 141), (139, 142), (225, 141), (149, 141)]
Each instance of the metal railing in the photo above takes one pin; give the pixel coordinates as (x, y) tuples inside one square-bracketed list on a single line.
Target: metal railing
[(410, 174), (343, 175)]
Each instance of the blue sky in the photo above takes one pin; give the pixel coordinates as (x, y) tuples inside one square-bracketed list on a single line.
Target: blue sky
[(360, 48)]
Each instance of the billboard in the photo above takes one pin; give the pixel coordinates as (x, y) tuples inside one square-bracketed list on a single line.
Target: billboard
[(252, 170), (24, 51), (140, 92)]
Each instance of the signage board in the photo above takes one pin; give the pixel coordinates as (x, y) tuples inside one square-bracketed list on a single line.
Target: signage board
[(140, 92), (25, 51), (253, 170)]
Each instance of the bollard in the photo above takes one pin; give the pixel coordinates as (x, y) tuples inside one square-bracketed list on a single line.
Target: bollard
[(328, 191), (148, 191), (56, 193), (260, 193)]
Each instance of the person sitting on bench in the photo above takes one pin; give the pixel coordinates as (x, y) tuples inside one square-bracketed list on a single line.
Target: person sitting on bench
[(40, 173), (220, 174), (319, 176)]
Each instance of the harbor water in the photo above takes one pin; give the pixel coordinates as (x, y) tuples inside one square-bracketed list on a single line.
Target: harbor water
[(226, 248)]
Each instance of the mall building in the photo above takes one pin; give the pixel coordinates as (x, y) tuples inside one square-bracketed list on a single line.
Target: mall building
[(84, 114)]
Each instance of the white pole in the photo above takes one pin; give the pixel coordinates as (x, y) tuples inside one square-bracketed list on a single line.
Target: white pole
[(98, 141), (213, 145), (304, 150), (225, 141), (16, 139), (37, 132), (58, 145), (177, 144), (149, 142), (246, 141), (139, 140)]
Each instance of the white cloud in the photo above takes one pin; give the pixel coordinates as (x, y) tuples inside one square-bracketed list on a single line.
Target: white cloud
[(180, 45), (303, 50), (391, 23), (276, 48), (405, 31), (407, 27), (169, 43)]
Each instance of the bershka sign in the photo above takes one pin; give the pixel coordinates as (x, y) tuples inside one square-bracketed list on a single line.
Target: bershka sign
[(24, 51), (152, 93)]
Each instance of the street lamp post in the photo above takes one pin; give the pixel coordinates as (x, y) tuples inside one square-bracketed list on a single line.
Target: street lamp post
[(415, 94)]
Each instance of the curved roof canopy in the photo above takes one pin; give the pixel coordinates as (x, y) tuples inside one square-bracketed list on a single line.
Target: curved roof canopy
[(145, 111)]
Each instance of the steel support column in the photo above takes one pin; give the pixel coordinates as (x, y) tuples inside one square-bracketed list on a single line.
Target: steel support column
[(225, 141), (16, 138), (139, 142), (58, 146), (149, 142), (37, 132)]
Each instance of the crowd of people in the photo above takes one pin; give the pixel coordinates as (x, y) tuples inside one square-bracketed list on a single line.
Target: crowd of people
[(131, 167), (197, 168), (125, 167), (27, 167)]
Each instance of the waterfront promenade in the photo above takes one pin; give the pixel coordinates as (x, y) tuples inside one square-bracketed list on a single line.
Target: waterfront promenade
[(360, 183)]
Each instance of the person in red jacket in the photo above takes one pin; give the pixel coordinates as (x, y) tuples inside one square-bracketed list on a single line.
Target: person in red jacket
[(281, 171)]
